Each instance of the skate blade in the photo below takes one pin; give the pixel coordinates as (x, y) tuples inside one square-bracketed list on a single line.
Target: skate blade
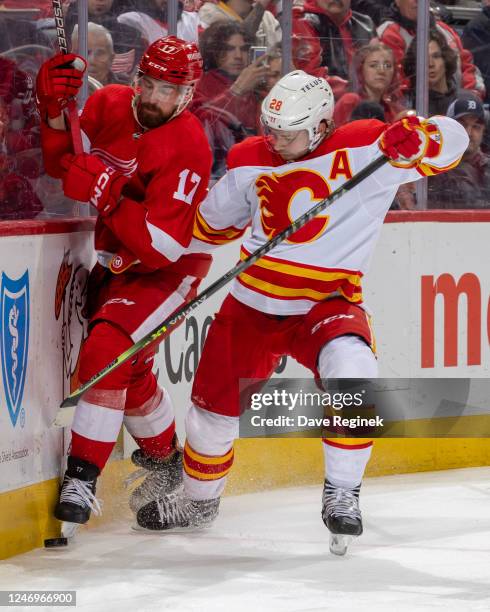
[(69, 530), (140, 529), (339, 543)]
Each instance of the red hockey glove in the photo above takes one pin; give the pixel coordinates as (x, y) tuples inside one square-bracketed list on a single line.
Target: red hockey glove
[(88, 179), (58, 80), (403, 140)]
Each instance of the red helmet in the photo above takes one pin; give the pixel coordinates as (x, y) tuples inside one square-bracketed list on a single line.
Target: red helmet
[(172, 59)]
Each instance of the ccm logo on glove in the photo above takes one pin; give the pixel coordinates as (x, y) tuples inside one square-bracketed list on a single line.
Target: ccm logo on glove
[(102, 183), (88, 179)]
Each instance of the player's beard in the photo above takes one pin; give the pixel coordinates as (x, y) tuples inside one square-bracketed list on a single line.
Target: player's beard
[(151, 116)]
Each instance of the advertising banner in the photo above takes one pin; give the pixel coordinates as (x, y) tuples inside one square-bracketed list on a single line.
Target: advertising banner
[(43, 279)]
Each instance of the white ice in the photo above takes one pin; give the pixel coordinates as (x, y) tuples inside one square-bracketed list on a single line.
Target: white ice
[(426, 546)]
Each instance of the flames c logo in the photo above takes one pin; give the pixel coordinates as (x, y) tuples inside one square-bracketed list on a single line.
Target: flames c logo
[(285, 197)]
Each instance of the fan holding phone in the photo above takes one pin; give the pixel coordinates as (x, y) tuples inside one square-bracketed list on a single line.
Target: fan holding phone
[(236, 78)]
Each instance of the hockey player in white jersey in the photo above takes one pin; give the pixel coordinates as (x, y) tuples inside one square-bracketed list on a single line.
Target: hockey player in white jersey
[(305, 299)]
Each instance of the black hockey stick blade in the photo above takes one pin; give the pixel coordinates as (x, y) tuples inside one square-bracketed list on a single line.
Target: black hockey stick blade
[(171, 322)]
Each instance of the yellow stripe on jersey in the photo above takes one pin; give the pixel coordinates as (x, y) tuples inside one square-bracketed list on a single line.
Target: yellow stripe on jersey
[(282, 291), (302, 271), (428, 170), (203, 231)]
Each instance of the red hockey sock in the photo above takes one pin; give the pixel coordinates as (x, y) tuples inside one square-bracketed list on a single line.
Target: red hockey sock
[(93, 451), (158, 446), (95, 429)]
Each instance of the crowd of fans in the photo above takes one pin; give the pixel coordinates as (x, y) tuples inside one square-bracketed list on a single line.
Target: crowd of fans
[(366, 49)]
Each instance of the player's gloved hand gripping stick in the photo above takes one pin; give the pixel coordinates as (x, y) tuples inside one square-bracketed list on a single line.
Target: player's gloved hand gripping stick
[(59, 80)]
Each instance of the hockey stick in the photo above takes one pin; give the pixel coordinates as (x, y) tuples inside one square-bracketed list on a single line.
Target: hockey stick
[(76, 134), (182, 312)]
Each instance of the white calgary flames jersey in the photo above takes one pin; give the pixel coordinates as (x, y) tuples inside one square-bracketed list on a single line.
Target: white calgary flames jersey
[(329, 256)]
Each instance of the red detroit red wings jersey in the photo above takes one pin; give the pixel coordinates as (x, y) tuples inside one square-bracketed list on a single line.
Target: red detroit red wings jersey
[(109, 123), (169, 168)]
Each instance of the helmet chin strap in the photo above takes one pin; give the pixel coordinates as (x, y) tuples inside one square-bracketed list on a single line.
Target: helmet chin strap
[(134, 106), (184, 100), (316, 139)]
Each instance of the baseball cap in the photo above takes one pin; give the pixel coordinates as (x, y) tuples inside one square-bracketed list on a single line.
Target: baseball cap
[(466, 105)]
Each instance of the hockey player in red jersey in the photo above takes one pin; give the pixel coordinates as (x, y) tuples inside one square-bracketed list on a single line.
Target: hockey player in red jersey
[(305, 299), (147, 170)]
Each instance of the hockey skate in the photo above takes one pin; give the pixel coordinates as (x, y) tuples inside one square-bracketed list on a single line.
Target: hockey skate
[(161, 476), (77, 496), (177, 513), (341, 515)]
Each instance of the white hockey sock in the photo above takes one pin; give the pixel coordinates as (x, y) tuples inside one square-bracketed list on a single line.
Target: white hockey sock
[(346, 357), (152, 417), (344, 467), (208, 452)]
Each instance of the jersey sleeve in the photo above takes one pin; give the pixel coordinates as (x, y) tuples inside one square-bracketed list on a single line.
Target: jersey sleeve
[(225, 213), (446, 141), (158, 230)]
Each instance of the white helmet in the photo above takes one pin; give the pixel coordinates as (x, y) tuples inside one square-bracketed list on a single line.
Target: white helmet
[(297, 102)]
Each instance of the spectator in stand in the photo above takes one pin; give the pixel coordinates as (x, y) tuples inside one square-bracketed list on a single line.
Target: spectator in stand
[(127, 41), (19, 144), (45, 6), (476, 38), (376, 9), (374, 78), (150, 18), (259, 22), (100, 54), (443, 63), (467, 185), (399, 30), (226, 98), (327, 33)]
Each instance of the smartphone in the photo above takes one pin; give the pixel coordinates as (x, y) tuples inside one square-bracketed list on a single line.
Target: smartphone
[(256, 52)]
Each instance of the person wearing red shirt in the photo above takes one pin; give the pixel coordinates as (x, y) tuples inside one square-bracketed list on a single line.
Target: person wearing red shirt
[(400, 28), (327, 33)]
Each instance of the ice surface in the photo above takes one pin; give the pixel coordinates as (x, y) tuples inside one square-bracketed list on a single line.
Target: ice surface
[(426, 546)]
